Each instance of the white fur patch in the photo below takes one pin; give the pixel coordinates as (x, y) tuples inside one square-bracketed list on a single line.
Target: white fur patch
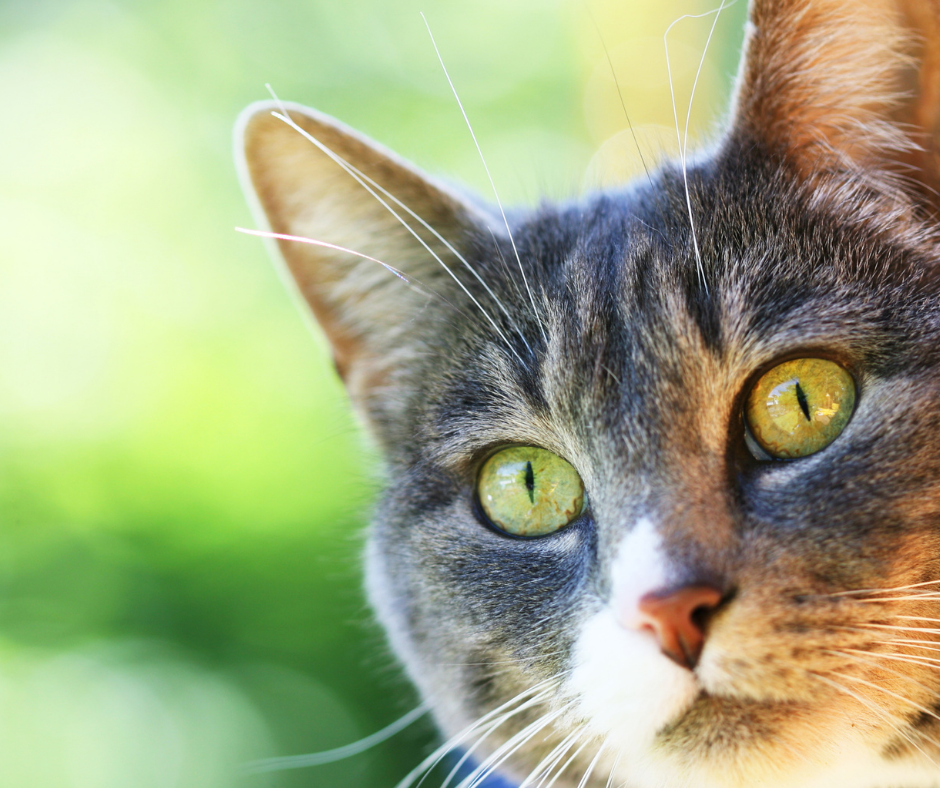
[(639, 567), (627, 688)]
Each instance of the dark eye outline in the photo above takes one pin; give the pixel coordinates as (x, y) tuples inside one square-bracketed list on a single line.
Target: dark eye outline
[(480, 513), (750, 442)]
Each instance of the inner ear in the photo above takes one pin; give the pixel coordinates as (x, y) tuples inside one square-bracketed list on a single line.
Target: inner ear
[(311, 177), (846, 88)]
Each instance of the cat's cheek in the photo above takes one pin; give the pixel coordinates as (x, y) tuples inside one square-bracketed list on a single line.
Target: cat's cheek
[(626, 688)]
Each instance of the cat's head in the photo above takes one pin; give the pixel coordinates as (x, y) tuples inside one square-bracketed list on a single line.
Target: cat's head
[(663, 465)]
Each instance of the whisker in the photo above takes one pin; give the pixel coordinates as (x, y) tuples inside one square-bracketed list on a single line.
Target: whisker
[(487, 769), (623, 104), (901, 698), (326, 245), (567, 763), (415, 284), (872, 659), (509, 747), (535, 701), (337, 754), (911, 643), (610, 777), (931, 690), (361, 176), (470, 750), (285, 117), (592, 764), (492, 182), (886, 590), (682, 148), (544, 767), (511, 281), (927, 596), (685, 136), (871, 705), (701, 63), (858, 629), (541, 692), (911, 659), (903, 629)]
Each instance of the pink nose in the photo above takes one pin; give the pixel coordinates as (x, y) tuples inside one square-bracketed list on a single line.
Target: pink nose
[(677, 620)]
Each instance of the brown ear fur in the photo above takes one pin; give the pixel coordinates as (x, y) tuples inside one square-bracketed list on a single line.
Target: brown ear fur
[(847, 87), (364, 308)]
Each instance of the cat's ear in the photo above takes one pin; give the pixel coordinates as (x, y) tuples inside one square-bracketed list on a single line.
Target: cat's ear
[(846, 87), (314, 178)]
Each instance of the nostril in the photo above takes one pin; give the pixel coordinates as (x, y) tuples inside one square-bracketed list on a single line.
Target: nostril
[(702, 615), (679, 619)]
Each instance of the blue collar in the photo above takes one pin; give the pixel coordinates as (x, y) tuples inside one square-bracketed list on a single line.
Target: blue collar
[(492, 781)]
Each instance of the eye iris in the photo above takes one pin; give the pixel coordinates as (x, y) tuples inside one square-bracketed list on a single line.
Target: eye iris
[(527, 491), (800, 407)]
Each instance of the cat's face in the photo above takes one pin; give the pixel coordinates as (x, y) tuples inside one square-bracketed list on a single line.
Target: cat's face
[(704, 614), (641, 386)]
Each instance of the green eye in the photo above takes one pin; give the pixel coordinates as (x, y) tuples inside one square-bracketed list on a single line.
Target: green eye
[(800, 407), (527, 491)]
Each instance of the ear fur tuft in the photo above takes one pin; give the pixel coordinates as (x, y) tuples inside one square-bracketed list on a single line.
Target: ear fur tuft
[(847, 91)]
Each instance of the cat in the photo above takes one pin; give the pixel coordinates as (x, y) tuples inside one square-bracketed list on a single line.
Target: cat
[(663, 463)]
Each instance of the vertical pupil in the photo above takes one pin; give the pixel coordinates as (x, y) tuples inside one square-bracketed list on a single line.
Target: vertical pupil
[(801, 398), (530, 481)]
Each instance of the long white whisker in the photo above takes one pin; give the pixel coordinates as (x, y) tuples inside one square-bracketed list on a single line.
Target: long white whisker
[(491, 729), (910, 659), (701, 63), (886, 590), (325, 244), (360, 176), (496, 760), (566, 764), (542, 688), (682, 152), (454, 251), (285, 117), (592, 764), (470, 750), (912, 703), (544, 767), (610, 777), (338, 753), (872, 659), (920, 734), (924, 597), (903, 629), (525, 281), (495, 724), (868, 703), (929, 645)]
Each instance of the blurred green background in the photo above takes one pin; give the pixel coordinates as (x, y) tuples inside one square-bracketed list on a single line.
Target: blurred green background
[(182, 490)]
